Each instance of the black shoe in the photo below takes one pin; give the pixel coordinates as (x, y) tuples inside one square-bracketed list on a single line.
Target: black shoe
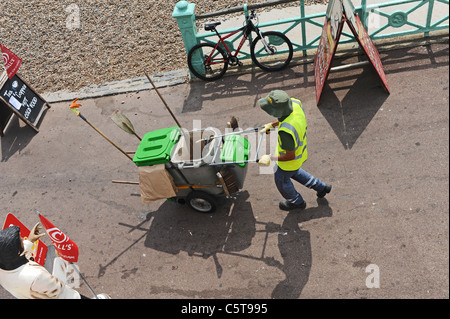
[(286, 205), (325, 191)]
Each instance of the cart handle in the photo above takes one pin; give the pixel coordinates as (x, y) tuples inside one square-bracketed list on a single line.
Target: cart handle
[(250, 130), (256, 160)]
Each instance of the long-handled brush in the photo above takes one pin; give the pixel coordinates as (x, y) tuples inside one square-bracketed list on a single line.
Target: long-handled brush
[(75, 109), (162, 99), (124, 123), (227, 177)]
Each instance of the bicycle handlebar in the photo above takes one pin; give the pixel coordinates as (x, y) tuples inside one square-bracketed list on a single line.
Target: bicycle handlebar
[(252, 15)]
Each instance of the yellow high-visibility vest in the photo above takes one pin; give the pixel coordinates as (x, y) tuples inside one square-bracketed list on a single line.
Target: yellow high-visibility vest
[(295, 125)]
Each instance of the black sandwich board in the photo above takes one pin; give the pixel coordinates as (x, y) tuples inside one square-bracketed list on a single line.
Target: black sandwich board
[(18, 98)]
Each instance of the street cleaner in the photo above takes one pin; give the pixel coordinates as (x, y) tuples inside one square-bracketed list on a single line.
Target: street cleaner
[(26, 279), (291, 150)]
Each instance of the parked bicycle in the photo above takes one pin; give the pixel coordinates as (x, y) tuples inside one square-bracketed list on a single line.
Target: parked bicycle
[(271, 51)]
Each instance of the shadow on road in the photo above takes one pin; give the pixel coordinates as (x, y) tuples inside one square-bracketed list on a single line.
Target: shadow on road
[(350, 99), (230, 231), (349, 103), (350, 116), (295, 248), (248, 86), (16, 138)]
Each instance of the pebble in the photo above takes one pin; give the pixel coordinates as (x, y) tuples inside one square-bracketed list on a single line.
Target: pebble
[(67, 45)]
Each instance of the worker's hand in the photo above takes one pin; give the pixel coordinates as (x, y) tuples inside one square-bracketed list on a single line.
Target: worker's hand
[(266, 128), (264, 160), (75, 104), (35, 233)]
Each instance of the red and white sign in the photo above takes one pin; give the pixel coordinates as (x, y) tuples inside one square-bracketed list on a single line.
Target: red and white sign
[(338, 12), (325, 53), (39, 250), (366, 43), (12, 61), (65, 247)]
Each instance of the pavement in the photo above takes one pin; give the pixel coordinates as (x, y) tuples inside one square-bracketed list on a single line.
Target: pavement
[(385, 222)]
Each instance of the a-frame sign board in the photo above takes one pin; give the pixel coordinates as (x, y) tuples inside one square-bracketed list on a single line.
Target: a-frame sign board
[(339, 12), (17, 97)]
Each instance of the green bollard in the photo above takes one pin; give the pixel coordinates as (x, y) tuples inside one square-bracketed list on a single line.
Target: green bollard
[(184, 14)]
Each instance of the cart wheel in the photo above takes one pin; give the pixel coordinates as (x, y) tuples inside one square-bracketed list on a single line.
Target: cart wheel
[(201, 202)]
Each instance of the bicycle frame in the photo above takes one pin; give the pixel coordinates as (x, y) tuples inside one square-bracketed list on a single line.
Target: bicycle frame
[(247, 29), (209, 60)]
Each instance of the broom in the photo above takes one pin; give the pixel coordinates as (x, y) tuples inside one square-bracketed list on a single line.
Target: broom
[(229, 180), (124, 123)]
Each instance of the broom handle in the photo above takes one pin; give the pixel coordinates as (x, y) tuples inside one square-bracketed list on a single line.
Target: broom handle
[(224, 185), (131, 129), (98, 131), (162, 99)]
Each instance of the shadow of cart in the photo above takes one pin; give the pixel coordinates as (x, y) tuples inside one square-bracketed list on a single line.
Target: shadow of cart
[(229, 231)]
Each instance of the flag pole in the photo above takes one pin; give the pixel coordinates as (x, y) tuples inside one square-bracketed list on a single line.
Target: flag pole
[(47, 224), (84, 279)]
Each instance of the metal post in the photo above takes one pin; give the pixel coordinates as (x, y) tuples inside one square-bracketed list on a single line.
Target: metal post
[(184, 14), (246, 14), (364, 14), (302, 15), (430, 13), (258, 146)]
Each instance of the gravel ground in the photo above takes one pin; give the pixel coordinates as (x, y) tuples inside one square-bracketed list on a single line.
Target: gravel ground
[(115, 39)]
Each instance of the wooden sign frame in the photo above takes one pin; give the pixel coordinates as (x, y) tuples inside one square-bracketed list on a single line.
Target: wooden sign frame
[(364, 40), (7, 109), (326, 50), (339, 12)]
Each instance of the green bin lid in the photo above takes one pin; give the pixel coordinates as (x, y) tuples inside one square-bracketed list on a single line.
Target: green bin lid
[(156, 146), (236, 148)]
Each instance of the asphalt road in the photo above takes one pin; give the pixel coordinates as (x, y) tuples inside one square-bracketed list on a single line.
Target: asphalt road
[(387, 215)]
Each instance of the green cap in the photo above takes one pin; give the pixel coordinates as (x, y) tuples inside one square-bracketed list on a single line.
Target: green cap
[(277, 103)]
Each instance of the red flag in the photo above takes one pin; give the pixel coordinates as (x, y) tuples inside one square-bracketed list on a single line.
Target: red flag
[(65, 247), (12, 61)]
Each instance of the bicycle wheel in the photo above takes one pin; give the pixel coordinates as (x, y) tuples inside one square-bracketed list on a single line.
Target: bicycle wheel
[(207, 62), (280, 51)]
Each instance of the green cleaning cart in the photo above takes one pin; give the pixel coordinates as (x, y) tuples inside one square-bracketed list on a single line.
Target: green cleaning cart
[(203, 164)]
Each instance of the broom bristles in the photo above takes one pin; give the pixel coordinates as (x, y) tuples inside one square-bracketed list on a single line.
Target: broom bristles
[(123, 122), (229, 180)]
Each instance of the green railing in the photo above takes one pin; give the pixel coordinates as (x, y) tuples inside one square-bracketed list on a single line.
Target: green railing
[(382, 20), (424, 10)]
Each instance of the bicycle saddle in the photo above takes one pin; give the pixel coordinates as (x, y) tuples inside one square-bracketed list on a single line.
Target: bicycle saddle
[(212, 26)]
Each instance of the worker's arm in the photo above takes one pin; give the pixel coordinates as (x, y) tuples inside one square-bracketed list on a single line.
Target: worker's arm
[(266, 159), (288, 156), (288, 146), (267, 127)]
